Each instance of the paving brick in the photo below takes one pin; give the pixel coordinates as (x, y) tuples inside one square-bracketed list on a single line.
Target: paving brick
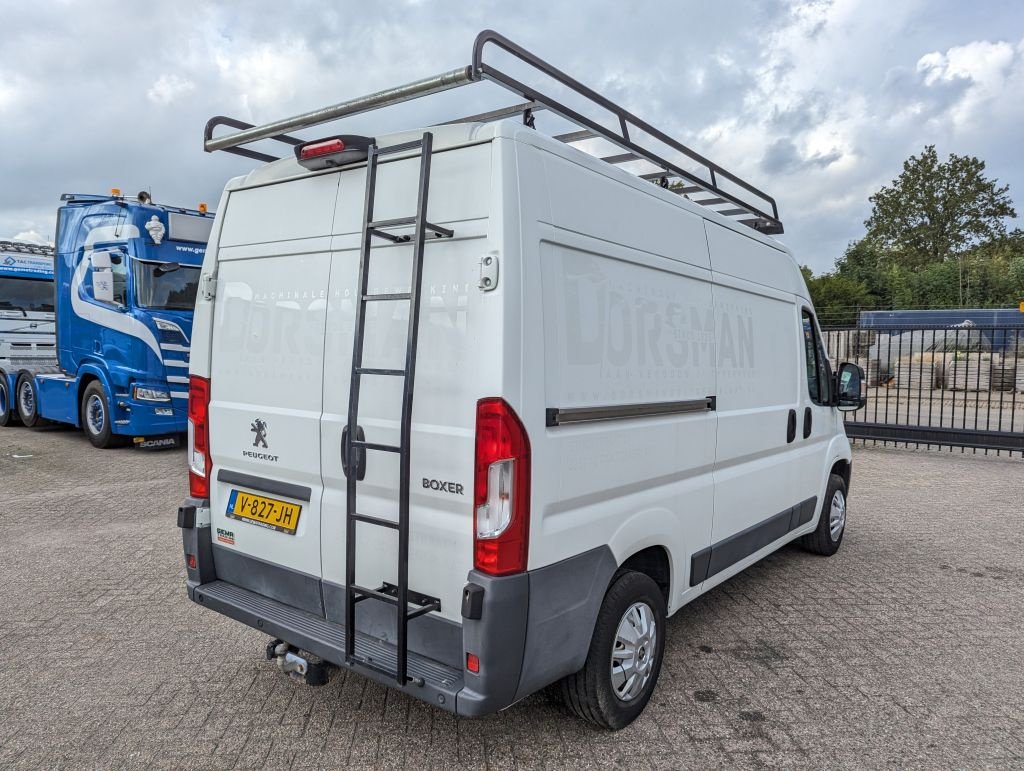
[(905, 649)]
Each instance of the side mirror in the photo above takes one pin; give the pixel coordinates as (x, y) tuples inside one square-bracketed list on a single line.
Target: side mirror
[(101, 261), (849, 383)]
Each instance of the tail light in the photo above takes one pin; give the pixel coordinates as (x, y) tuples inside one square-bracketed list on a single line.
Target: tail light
[(199, 462), (501, 490)]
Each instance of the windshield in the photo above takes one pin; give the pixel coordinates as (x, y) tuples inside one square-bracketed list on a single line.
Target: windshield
[(172, 291), (31, 295)]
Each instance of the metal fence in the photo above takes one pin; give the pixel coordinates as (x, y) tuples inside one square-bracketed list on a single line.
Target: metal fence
[(959, 387)]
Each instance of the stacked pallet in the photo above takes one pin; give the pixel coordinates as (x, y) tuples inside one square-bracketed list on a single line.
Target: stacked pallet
[(872, 372), (968, 372), (1020, 376), (915, 375), (1004, 373)]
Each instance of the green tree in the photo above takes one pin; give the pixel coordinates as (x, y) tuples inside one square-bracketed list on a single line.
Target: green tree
[(935, 212), (837, 298)]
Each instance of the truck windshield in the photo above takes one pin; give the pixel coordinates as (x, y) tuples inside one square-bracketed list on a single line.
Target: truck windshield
[(31, 295), (165, 286)]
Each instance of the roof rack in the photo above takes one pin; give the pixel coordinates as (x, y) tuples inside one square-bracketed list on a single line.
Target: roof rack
[(750, 206), (25, 247)]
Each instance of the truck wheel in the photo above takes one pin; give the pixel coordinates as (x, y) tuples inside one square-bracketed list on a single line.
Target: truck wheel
[(27, 400), (8, 413), (96, 417), (828, 536), (625, 654)]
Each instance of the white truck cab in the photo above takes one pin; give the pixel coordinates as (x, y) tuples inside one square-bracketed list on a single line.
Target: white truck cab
[(472, 411)]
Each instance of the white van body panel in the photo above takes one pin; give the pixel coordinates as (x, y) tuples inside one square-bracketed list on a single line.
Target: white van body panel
[(611, 292)]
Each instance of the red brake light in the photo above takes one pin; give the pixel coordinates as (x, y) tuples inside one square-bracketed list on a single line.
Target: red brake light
[(199, 461), (501, 512), (316, 149), (473, 663)]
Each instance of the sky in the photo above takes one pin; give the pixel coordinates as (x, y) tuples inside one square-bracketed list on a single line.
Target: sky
[(817, 102)]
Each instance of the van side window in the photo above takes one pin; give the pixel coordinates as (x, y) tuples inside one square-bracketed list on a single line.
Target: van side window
[(819, 377)]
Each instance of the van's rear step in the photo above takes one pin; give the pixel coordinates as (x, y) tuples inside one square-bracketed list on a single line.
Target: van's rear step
[(440, 683)]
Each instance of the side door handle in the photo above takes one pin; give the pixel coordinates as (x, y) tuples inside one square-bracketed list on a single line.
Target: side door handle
[(807, 422), (791, 427), (356, 455)]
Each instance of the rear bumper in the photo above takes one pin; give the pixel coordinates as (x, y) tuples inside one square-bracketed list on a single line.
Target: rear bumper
[(527, 630), (441, 684)]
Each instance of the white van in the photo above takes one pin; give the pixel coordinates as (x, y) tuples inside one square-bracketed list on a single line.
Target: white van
[(582, 399)]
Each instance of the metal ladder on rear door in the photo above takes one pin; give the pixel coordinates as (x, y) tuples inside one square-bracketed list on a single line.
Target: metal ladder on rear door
[(355, 445)]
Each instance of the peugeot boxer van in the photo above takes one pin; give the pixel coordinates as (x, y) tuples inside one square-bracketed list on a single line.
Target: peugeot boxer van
[(473, 410)]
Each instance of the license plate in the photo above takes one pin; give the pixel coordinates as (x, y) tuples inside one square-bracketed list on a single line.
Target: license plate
[(265, 512)]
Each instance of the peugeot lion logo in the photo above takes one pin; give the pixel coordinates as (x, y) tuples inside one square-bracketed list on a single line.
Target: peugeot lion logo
[(259, 427)]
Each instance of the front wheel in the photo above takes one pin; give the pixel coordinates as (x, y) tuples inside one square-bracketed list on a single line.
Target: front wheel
[(625, 654), (96, 418), (27, 400), (828, 536)]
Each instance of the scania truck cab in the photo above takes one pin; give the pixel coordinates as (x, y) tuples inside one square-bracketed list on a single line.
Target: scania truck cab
[(127, 273), (26, 316)]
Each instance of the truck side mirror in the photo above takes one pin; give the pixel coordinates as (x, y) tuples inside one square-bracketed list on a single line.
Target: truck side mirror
[(849, 382), (103, 276)]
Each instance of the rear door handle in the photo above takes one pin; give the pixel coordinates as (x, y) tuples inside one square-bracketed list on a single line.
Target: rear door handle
[(791, 427), (807, 422), (353, 454)]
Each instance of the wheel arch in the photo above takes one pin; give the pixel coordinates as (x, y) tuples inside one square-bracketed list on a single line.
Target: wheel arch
[(655, 563), (844, 468)]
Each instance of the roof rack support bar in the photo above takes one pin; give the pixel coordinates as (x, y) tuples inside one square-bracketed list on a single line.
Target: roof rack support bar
[(504, 112), (575, 136), (432, 85)]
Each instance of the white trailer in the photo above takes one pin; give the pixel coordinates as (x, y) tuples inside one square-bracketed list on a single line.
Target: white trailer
[(532, 400), (27, 341)]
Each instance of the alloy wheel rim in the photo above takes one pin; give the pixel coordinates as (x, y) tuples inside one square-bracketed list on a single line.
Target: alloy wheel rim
[(634, 651), (27, 399), (837, 515), (95, 415)]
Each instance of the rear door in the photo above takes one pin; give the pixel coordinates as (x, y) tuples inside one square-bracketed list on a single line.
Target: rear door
[(267, 388), (456, 318)]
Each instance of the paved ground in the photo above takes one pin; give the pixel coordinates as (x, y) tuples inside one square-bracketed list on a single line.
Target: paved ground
[(906, 649)]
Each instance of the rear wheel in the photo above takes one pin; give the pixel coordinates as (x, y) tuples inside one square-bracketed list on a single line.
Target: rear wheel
[(828, 536), (27, 400), (8, 413), (625, 654), (96, 418)]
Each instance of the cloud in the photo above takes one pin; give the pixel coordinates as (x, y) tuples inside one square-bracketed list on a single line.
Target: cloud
[(817, 102), (31, 236), (168, 88)]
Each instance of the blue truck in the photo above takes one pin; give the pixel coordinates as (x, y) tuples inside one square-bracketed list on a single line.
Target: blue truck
[(126, 273), (26, 317)]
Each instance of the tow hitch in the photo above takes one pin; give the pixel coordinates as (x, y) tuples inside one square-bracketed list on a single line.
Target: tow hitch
[(298, 667)]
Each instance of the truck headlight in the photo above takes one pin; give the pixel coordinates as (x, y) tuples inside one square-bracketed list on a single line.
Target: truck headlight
[(147, 394)]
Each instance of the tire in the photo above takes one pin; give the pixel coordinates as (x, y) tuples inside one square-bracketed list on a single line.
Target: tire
[(96, 418), (26, 398), (8, 412), (592, 693), (828, 536)]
